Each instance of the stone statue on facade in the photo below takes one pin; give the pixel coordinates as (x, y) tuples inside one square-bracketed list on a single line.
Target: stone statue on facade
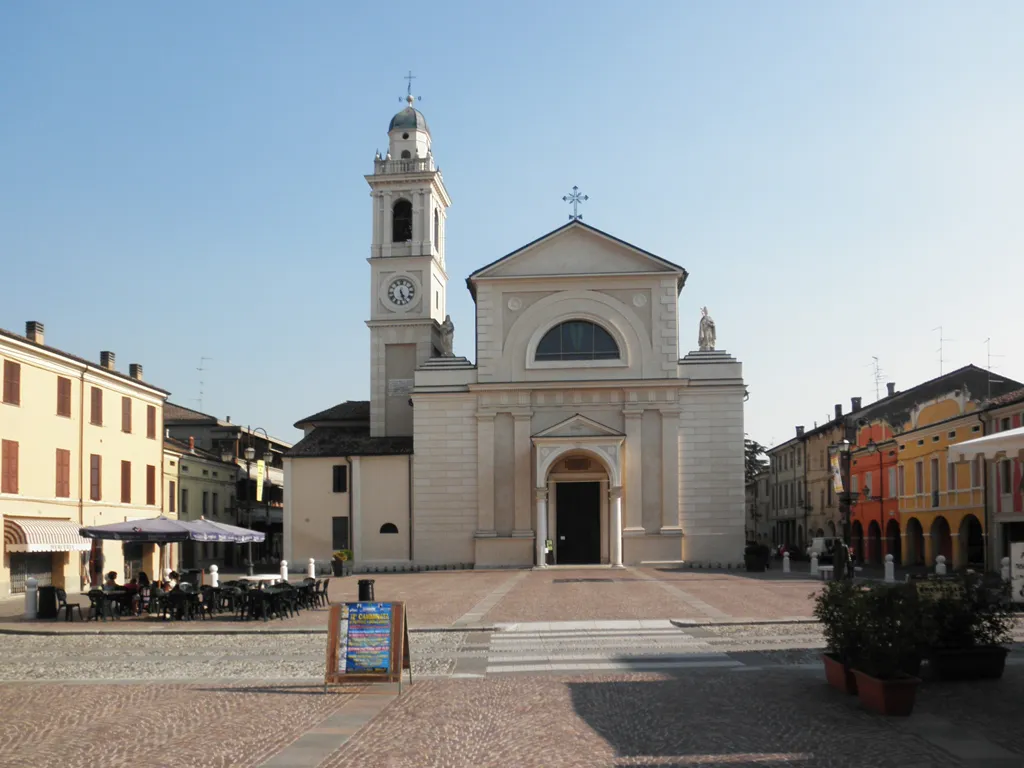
[(706, 335), (447, 337)]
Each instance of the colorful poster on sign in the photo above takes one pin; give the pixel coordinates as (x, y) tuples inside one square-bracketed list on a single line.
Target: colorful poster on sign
[(837, 473), (366, 641), (1017, 571), (261, 472)]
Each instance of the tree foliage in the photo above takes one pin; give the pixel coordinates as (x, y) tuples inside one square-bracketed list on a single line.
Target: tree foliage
[(755, 458)]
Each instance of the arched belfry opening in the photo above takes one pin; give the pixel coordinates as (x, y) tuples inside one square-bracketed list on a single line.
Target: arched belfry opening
[(401, 222)]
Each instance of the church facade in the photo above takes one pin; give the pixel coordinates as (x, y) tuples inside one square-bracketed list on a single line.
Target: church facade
[(577, 436)]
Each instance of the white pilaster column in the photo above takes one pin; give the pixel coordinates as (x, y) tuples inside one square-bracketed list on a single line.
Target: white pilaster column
[(523, 477), (485, 474), (670, 472), (634, 485), (615, 534), (542, 525)]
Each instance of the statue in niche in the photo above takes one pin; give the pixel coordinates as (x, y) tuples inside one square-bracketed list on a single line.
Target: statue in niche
[(447, 337), (706, 335)]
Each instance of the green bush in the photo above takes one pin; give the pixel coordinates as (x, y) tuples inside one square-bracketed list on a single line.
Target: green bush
[(967, 612), (840, 607)]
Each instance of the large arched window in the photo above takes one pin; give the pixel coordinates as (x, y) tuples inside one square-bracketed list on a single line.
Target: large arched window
[(577, 340), (401, 222)]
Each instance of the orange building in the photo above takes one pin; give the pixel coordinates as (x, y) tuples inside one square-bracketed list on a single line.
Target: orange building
[(875, 514)]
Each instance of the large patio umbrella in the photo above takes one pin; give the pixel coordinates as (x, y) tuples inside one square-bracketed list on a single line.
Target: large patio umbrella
[(164, 530)]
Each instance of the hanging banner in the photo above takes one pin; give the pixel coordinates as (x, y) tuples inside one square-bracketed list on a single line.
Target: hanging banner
[(261, 472), (837, 472)]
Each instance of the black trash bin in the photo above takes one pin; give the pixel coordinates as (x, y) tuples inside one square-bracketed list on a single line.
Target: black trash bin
[(366, 590), (46, 608)]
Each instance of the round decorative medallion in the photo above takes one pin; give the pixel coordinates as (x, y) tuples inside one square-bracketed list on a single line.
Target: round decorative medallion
[(639, 299), (515, 304)]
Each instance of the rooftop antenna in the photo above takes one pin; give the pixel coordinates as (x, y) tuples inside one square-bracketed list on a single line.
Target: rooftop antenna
[(988, 365), (877, 375), (201, 368), (942, 342)]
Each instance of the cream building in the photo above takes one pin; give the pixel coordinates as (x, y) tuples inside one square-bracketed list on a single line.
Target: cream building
[(577, 436), (80, 444)]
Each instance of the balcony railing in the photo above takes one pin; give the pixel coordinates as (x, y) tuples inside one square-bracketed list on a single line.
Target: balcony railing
[(407, 165)]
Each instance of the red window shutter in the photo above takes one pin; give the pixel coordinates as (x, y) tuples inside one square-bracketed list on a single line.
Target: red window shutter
[(96, 417), (12, 383), (126, 482), (150, 484), (126, 414), (95, 477), (8, 466), (63, 396), (151, 422)]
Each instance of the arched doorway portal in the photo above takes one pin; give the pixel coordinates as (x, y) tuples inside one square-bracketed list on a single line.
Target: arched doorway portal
[(942, 540), (874, 543), (893, 541), (578, 510), (915, 542), (972, 541), (857, 541)]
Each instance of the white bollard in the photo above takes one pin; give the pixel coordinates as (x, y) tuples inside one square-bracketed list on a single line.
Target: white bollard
[(31, 597), (814, 563), (284, 570), (940, 565), (1004, 568), (785, 562), (214, 576), (311, 570), (890, 569)]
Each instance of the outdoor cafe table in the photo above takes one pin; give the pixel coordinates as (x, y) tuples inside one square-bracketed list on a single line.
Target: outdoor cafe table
[(269, 578)]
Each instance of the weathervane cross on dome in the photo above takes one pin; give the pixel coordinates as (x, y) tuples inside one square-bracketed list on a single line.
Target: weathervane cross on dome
[(576, 199), (408, 91)]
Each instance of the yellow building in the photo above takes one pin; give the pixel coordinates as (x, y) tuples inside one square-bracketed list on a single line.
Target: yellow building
[(942, 503), (81, 444)]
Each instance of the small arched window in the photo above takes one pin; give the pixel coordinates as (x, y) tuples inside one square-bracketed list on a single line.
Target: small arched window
[(406, 154), (437, 230), (389, 528), (577, 340), (401, 222)]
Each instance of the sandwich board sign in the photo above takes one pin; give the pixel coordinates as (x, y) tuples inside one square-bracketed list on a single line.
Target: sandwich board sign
[(1017, 571), (367, 642)]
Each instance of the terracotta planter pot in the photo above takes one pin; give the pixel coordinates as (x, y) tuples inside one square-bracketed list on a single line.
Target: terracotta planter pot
[(838, 675), (985, 662), (894, 698)]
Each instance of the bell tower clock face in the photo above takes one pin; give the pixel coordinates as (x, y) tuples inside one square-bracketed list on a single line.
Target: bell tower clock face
[(401, 291)]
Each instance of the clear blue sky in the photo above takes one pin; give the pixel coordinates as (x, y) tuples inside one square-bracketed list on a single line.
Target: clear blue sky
[(184, 180)]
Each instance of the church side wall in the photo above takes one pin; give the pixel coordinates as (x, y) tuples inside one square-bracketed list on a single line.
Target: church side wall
[(444, 479), (711, 481)]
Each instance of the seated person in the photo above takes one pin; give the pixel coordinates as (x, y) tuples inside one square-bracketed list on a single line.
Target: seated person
[(111, 582), (172, 581)]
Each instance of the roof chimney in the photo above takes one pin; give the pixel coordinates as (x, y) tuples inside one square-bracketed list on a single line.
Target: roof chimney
[(228, 419), (107, 360), (34, 331), (135, 371), (891, 386), (839, 410), (800, 431), (854, 403), (191, 443)]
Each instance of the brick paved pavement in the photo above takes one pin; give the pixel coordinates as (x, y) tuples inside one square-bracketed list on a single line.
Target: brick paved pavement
[(746, 596), (154, 726)]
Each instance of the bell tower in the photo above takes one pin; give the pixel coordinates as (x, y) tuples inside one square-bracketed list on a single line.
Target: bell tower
[(407, 274)]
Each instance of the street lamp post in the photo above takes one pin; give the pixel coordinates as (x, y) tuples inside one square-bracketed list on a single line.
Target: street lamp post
[(250, 454), (842, 568)]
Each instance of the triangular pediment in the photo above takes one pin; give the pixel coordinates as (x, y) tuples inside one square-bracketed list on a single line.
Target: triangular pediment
[(579, 426), (577, 249)]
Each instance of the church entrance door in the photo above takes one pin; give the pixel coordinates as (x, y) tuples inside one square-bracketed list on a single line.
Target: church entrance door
[(578, 523)]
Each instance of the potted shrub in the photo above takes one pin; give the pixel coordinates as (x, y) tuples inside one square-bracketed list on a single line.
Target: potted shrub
[(889, 645), (838, 607), (969, 625), (341, 563), (756, 557)]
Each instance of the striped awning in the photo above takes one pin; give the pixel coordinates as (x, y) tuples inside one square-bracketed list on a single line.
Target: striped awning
[(30, 534)]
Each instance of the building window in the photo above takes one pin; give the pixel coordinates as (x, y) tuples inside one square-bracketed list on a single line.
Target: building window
[(437, 230), (902, 481), (172, 498), (184, 502), (96, 411), (951, 477), (151, 422), (406, 154), (63, 490), (8, 466), (577, 340), (401, 222), (63, 396), (206, 503), (799, 458), (935, 482), (867, 485), (126, 415), (919, 477), (95, 477), (214, 509), (1005, 477), (389, 528), (340, 478), (339, 533), (977, 472), (126, 482), (12, 383), (150, 485), (892, 482), (854, 485), (1004, 424)]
